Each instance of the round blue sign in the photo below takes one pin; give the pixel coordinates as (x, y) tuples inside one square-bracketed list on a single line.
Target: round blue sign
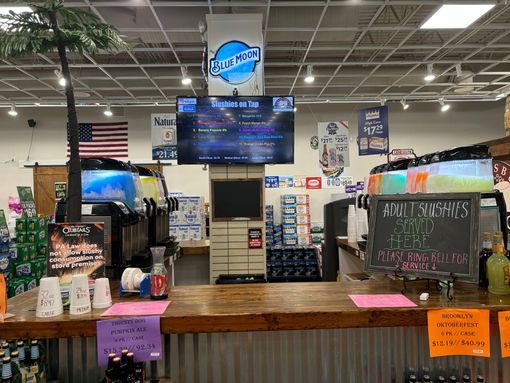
[(234, 62)]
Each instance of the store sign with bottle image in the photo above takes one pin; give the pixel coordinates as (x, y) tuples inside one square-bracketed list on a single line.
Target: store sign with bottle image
[(333, 147), (429, 235)]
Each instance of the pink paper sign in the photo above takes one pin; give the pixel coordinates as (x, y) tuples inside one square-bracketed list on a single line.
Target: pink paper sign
[(137, 308), (381, 300)]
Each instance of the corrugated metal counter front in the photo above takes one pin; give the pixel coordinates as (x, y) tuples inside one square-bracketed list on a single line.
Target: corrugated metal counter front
[(300, 332)]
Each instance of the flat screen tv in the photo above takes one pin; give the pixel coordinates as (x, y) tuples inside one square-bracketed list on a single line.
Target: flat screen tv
[(235, 130), (237, 199)]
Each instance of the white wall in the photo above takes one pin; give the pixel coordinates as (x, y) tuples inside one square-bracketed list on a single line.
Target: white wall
[(422, 127)]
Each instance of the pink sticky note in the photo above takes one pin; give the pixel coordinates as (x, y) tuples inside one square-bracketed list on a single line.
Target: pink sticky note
[(381, 300), (137, 308)]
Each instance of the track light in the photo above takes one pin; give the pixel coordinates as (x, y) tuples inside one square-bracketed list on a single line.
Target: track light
[(458, 70), (61, 78), (108, 112), (444, 106), (186, 80), (430, 73), (405, 105), (383, 101), (13, 112), (309, 74)]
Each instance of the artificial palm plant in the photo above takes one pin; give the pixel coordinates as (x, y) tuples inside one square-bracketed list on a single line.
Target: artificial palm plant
[(52, 27)]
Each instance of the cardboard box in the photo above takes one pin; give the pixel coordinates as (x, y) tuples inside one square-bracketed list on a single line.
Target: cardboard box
[(288, 199), (174, 218), (302, 199), (317, 227), (23, 269), (289, 230), (183, 232), (304, 240), (37, 224), (303, 209), (174, 231), (42, 250), (303, 229), (191, 217), (5, 262), (289, 219), (196, 232), (22, 253), (21, 237), (288, 210), (21, 225), (16, 287), (303, 219)]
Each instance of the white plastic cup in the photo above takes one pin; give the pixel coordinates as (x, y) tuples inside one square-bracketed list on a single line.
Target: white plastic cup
[(80, 296), (49, 300), (351, 229), (102, 295), (352, 211)]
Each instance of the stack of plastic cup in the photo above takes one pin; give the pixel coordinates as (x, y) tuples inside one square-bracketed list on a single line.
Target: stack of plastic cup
[(49, 301), (361, 223), (102, 296), (80, 296), (351, 224)]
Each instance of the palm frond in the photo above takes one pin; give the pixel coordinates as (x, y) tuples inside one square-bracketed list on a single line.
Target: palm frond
[(21, 44)]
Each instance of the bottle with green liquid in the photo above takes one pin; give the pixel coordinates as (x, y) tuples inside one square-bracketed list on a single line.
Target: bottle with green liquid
[(498, 267)]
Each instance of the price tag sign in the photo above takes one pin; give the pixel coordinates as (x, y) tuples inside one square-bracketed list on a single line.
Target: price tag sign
[(459, 332), (140, 335), (504, 332)]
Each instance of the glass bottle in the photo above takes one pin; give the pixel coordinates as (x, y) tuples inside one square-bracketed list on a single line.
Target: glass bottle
[(130, 369), (21, 353), (6, 348), (426, 379), (480, 379), (453, 379), (109, 367), (33, 369), (485, 254), (123, 364), (412, 378), (116, 371), (466, 379), (159, 276), (498, 268), (16, 373), (508, 249), (6, 370), (440, 379)]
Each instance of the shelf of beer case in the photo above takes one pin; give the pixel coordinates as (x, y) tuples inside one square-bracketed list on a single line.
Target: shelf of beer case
[(198, 247), (260, 307), (351, 247)]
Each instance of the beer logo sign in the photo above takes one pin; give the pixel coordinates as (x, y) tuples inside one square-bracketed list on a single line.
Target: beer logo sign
[(234, 62)]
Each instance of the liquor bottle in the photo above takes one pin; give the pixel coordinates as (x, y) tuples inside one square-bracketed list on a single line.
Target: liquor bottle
[(453, 379), (116, 371), (109, 367), (6, 370), (130, 376), (16, 373), (33, 375), (159, 276), (498, 268), (480, 379), (440, 379), (412, 379), (426, 378), (485, 254), (466, 379), (325, 156)]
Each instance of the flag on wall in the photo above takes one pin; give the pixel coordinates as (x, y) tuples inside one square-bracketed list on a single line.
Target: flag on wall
[(102, 139)]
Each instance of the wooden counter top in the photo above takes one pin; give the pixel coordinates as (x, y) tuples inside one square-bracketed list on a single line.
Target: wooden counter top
[(351, 247), (257, 307), (199, 247)]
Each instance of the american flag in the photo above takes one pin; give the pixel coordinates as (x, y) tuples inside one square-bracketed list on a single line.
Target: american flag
[(102, 139)]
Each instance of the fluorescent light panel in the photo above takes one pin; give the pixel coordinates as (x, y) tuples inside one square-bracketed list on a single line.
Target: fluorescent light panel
[(456, 16)]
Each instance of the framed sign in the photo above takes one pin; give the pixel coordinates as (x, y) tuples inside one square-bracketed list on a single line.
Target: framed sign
[(425, 235)]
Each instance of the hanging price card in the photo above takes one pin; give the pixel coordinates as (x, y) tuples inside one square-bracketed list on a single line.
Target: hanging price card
[(504, 332), (459, 332)]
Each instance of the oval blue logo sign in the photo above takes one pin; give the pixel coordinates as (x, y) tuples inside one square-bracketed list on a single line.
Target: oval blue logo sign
[(234, 62)]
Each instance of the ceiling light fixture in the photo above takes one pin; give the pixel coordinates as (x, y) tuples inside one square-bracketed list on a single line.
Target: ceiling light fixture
[(295, 109), (186, 80), (309, 74), (108, 111), (444, 106), (456, 16), (458, 70), (382, 101), (60, 76), (405, 105), (13, 112), (430, 76)]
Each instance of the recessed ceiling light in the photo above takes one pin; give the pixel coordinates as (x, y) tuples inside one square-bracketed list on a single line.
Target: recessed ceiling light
[(456, 16)]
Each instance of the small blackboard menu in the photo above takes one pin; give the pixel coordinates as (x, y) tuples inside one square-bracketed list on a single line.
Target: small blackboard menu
[(425, 235)]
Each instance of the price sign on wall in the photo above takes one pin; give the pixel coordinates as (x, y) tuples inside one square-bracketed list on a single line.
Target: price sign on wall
[(430, 235), (459, 332), (141, 335)]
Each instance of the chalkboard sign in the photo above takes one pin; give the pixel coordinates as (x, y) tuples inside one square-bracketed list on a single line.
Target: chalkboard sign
[(425, 235)]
